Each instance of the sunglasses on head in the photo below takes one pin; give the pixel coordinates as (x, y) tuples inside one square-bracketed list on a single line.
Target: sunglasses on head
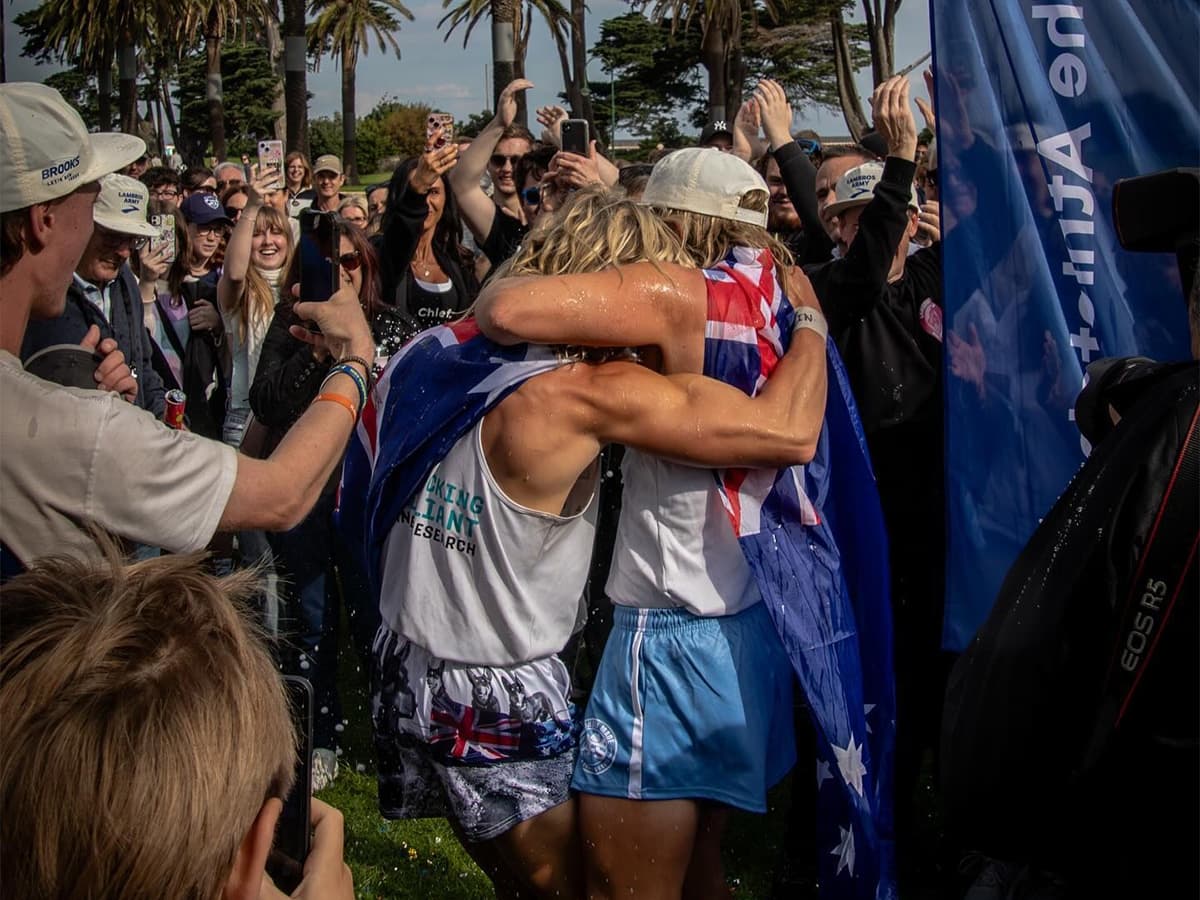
[(499, 159)]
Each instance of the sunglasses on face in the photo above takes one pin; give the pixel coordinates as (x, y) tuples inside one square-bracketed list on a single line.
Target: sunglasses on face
[(350, 261), (532, 196), (499, 159), (233, 211), (116, 239)]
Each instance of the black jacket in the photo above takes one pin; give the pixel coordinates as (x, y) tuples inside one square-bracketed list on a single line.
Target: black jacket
[(126, 327), (810, 245)]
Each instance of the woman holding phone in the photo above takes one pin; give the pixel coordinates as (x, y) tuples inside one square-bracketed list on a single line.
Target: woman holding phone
[(426, 271)]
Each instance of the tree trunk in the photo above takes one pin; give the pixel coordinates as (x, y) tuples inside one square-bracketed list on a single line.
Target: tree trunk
[(275, 51), (215, 92), (127, 83), (168, 111), (104, 95), (154, 106), (349, 163), (295, 83), (712, 57), (579, 66), (735, 71), (504, 56), (852, 112), (881, 33)]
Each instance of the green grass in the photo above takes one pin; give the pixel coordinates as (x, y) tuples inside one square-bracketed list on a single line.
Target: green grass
[(366, 181)]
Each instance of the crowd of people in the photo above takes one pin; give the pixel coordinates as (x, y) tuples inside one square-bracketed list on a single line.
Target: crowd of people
[(538, 359)]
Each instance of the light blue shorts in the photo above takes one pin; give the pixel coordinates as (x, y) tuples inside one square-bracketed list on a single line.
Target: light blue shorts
[(689, 707)]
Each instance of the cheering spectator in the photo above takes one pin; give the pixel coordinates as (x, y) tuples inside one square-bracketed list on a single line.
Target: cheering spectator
[(198, 181), (298, 182), (229, 174), (328, 178), (423, 260), (376, 205), (233, 201), (498, 222)]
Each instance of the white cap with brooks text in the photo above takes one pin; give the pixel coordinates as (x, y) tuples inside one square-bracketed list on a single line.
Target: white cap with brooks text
[(46, 151)]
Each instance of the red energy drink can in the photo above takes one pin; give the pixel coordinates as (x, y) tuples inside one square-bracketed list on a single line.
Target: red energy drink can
[(176, 404)]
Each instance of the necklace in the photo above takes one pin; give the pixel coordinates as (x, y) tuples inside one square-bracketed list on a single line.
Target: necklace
[(423, 265)]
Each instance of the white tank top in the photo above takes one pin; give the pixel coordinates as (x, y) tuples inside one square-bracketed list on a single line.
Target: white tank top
[(476, 578), (675, 544)]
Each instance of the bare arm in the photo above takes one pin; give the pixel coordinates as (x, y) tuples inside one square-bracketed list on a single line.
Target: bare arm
[(701, 421), (237, 254), (624, 306), (476, 207), (277, 493)]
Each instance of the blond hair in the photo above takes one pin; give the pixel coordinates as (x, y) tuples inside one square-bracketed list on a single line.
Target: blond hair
[(595, 228), (710, 239), (145, 723), (256, 300)]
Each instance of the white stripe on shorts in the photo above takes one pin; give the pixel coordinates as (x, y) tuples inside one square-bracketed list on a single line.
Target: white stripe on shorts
[(639, 721)]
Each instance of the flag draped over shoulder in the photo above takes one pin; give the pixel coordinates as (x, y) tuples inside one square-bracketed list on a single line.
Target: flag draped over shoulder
[(432, 392), (815, 541), (813, 535)]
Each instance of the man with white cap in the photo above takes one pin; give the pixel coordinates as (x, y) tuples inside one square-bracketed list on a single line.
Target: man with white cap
[(104, 291), (693, 649), (69, 456)]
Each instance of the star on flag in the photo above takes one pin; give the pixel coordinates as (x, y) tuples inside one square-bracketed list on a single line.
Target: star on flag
[(850, 764)]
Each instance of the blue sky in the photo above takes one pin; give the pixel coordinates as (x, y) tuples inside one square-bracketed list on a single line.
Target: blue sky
[(451, 78)]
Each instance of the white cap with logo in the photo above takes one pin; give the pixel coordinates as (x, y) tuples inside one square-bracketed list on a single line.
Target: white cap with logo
[(46, 151), (857, 186), (706, 181), (121, 206)]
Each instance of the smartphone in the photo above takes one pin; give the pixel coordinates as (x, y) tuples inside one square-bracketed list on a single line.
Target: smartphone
[(320, 243), (165, 223), (447, 122), (575, 138), (270, 158), (293, 833)]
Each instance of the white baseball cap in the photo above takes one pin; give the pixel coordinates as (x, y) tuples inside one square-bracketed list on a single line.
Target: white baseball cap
[(121, 206), (46, 151), (857, 186), (706, 181)]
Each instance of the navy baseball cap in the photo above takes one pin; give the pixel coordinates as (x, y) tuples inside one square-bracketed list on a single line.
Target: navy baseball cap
[(204, 208)]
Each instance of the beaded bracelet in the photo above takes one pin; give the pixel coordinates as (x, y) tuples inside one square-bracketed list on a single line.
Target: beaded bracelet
[(362, 362), (341, 401), (353, 374)]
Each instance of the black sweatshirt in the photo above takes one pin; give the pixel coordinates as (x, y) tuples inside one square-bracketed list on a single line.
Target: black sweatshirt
[(811, 245)]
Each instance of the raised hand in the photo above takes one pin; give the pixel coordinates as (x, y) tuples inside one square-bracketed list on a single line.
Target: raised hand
[(433, 164), (775, 111), (894, 119), (506, 106), (551, 119)]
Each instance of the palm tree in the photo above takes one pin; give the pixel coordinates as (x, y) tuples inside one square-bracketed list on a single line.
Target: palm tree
[(213, 18), (720, 44), (342, 28), (509, 41), (295, 79)]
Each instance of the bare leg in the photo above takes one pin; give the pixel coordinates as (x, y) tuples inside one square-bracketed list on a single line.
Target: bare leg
[(637, 848), (539, 857), (706, 873)]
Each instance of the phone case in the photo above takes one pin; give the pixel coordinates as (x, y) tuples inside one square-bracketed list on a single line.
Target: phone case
[(166, 235), (447, 122), (270, 156)]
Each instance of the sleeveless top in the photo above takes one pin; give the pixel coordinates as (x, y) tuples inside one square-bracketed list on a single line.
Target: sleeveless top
[(675, 545), (474, 577)]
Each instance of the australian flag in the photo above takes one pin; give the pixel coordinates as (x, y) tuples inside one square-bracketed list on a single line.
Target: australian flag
[(813, 535), (815, 541)]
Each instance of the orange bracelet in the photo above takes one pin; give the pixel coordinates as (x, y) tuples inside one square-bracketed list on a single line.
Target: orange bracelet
[(343, 402)]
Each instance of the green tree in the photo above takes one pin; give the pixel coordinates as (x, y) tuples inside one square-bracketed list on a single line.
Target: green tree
[(249, 113), (343, 28), (511, 20), (654, 74), (880, 32), (475, 123), (79, 89), (392, 128), (325, 135)]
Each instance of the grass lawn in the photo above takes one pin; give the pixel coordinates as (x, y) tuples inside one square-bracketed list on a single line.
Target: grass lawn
[(366, 181)]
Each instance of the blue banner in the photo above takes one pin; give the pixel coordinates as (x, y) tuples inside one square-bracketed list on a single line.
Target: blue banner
[(1041, 109)]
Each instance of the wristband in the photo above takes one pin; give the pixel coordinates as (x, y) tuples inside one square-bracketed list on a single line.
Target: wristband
[(362, 362), (811, 318), (341, 401), (352, 373)]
